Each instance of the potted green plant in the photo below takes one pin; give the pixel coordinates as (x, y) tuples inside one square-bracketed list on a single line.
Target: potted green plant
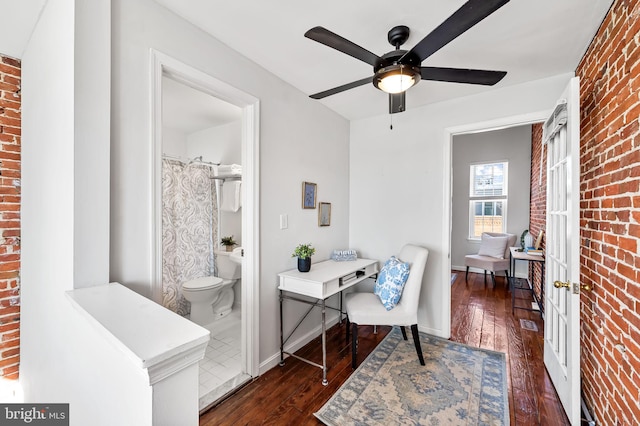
[(228, 242), (522, 242), (304, 252)]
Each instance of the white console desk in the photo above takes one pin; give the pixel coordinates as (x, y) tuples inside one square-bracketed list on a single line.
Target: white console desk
[(323, 281)]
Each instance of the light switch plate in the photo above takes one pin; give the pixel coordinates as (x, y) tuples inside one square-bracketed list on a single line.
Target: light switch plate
[(284, 221)]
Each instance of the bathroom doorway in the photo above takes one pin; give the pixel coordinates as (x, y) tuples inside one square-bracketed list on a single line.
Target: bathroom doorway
[(201, 127)]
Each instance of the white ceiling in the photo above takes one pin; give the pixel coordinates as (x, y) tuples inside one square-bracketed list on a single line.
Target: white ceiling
[(528, 39), (18, 20)]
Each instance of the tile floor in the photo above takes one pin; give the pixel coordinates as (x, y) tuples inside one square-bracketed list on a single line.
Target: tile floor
[(221, 368)]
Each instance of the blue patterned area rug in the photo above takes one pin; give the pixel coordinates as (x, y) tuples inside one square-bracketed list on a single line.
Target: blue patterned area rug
[(459, 385)]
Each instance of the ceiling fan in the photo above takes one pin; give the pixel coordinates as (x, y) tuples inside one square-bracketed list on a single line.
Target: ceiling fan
[(398, 70)]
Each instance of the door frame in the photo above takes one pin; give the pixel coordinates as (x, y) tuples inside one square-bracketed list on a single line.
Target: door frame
[(162, 64), (447, 200)]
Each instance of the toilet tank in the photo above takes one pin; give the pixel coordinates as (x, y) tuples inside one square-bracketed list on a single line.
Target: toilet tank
[(227, 269)]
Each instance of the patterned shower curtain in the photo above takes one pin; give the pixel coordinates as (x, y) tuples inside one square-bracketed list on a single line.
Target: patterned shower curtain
[(189, 228)]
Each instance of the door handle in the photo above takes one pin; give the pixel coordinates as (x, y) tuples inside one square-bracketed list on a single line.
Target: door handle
[(583, 287)]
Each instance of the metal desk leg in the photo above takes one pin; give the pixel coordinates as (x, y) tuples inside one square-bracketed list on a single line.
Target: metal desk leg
[(541, 301), (281, 363), (512, 281), (324, 347)]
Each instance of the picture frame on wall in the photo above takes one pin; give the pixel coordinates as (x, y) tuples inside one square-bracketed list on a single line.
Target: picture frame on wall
[(309, 195), (324, 214)]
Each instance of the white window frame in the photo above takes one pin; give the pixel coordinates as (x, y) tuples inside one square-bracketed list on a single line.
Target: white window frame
[(487, 198)]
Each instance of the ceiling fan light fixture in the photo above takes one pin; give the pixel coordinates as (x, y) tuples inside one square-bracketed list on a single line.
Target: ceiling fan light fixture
[(396, 78)]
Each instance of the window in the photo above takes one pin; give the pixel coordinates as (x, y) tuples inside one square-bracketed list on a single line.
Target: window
[(487, 198)]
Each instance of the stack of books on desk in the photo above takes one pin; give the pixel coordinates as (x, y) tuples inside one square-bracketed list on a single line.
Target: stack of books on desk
[(533, 251)]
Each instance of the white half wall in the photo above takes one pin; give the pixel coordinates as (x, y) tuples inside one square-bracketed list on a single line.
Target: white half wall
[(65, 217), (300, 140), (397, 177)]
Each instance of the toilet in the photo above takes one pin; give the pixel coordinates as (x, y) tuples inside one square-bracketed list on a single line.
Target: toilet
[(212, 297)]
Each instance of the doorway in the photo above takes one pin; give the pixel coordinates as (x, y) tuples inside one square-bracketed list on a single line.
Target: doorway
[(494, 166), (450, 134), (232, 120)]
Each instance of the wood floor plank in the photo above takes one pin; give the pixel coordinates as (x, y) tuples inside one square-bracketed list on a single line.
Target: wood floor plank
[(481, 316), (487, 338), (463, 321)]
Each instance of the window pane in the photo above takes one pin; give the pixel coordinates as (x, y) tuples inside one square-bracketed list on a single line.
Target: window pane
[(487, 217), (487, 179), (488, 209)]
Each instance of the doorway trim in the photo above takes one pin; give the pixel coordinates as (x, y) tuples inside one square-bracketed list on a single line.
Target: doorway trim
[(447, 200), (162, 64)]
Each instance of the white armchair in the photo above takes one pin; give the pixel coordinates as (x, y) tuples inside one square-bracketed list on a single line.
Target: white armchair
[(367, 309), (493, 255)]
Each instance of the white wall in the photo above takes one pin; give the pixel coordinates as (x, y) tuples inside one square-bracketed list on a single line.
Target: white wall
[(299, 140), (174, 143), (397, 180), (217, 144), (221, 144), (513, 145), (65, 218)]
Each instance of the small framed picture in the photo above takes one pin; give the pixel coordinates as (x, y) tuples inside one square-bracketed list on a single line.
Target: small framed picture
[(308, 195), (324, 214)]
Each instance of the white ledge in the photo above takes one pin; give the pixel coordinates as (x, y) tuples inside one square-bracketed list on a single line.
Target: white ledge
[(153, 337)]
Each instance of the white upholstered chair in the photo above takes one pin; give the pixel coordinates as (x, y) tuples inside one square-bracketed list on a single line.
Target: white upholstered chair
[(493, 255), (367, 309)]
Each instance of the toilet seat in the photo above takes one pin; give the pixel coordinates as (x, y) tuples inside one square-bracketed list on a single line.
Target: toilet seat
[(202, 283)]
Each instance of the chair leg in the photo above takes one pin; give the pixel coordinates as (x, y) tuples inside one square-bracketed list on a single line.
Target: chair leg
[(493, 279), (466, 275), (404, 332), (354, 344), (506, 278), (416, 341), (348, 327), (485, 277)]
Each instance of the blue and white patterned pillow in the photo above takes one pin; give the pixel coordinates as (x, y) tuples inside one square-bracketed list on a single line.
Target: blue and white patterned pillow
[(391, 281)]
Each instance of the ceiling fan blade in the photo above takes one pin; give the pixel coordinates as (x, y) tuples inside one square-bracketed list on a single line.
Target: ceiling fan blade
[(342, 88), (397, 102), (462, 19), (326, 37), (461, 75)]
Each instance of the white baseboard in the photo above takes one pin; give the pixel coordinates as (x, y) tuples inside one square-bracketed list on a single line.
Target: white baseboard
[(432, 331)]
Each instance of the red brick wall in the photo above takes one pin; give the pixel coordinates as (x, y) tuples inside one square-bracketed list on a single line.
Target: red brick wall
[(9, 217), (610, 217), (538, 209)]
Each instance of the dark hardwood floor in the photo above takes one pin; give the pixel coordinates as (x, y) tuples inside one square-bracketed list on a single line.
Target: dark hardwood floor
[(481, 317)]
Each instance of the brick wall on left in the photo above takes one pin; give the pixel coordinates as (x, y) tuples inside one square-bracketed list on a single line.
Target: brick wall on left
[(10, 132)]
